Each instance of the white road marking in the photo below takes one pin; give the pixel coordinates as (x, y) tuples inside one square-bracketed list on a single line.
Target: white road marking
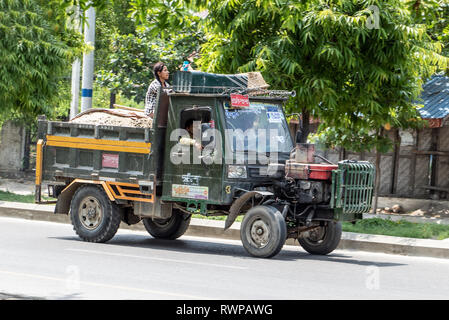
[(35, 276), (158, 259)]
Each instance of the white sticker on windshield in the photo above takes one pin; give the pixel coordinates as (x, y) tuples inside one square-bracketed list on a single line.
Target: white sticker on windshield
[(274, 117), (281, 139)]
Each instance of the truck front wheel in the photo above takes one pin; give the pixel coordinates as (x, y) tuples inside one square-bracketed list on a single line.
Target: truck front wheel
[(322, 240), (263, 231), (171, 228), (94, 217)]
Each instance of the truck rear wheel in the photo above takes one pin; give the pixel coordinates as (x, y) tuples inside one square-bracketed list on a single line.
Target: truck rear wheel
[(263, 231), (171, 228), (322, 240), (94, 217)]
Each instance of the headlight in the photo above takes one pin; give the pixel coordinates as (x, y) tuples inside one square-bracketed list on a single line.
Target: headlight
[(236, 172)]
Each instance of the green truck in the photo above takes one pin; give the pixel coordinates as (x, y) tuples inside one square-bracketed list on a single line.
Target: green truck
[(246, 163)]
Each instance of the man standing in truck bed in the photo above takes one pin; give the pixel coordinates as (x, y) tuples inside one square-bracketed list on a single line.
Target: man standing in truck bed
[(161, 75), (160, 82)]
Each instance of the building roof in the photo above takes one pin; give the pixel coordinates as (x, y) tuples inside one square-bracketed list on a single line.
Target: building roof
[(435, 97)]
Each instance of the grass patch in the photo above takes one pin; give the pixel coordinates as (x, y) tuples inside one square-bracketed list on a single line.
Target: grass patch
[(9, 196), (221, 218), (13, 197), (399, 228)]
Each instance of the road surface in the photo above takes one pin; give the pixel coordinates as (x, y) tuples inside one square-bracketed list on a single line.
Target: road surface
[(47, 260)]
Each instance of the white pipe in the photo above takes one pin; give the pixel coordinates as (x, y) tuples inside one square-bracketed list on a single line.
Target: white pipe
[(88, 61), (75, 88), (76, 65)]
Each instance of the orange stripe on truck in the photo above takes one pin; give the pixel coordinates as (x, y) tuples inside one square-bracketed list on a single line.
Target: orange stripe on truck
[(99, 144)]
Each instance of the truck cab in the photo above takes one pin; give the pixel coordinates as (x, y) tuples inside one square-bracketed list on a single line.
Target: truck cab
[(237, 149)]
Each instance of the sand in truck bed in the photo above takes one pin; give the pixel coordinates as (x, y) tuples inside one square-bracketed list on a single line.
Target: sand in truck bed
[(114, 117)]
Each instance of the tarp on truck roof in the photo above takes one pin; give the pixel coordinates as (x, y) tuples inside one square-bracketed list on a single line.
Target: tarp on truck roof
[(204, 82)]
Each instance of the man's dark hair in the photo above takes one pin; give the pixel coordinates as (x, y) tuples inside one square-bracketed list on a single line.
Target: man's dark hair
[(158, 68), (188, 123)]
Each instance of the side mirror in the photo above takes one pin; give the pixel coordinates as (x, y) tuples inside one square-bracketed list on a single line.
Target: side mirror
[(298, 136)]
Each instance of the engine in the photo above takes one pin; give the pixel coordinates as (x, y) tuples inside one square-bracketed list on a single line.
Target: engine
[(312, 191), (308, 182)]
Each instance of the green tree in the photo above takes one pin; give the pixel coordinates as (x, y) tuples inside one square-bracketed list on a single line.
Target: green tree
[(35, 49), (358, 65), (128, 67), (355, 76), (435, 15)]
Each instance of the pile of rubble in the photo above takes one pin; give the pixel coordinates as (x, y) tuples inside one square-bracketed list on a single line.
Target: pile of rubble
[(394, 209)]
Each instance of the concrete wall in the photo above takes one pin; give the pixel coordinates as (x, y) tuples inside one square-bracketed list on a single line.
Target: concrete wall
[(12, 146)]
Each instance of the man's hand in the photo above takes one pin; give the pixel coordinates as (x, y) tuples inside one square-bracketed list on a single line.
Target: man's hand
[(198, 146)]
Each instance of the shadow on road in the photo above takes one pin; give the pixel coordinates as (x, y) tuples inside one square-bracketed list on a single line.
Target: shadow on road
[(209, 247), (335, 257)]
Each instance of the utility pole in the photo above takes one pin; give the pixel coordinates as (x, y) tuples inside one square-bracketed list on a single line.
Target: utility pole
[(88, 61), (76, 65)]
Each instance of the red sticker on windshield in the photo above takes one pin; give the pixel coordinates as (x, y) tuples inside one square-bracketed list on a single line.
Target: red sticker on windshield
[(239, 100)]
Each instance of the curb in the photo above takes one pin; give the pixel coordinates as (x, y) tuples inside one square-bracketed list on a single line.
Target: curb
[(214, 229)]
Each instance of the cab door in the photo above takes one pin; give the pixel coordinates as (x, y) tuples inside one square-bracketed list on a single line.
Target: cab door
[(194, 176)]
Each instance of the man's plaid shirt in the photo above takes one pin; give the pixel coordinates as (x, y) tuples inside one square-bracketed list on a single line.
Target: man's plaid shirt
[(150, 99)]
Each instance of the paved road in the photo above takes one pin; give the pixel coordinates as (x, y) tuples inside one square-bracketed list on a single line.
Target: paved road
[(47, 260)]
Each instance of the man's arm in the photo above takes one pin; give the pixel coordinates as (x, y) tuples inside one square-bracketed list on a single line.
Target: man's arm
[(148, 106), (190, 142)]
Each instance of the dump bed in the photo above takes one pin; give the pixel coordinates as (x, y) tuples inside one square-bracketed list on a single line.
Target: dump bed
[(87, 151)]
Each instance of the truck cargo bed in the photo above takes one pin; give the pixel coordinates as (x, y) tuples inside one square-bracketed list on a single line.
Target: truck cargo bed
[(75, 150)]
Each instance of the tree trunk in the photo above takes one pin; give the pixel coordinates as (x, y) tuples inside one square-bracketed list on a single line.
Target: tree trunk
[(305, 115), (26, 155), (377, 182), (112, 100)]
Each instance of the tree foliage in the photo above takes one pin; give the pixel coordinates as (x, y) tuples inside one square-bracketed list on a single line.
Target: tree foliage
[(435, 15), (35, 49), (130, 56), (357, 65)]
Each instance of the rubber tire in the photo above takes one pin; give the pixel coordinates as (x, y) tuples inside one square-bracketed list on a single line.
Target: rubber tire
[(278, 230), (112, 215), (172, 229), (330, 242)]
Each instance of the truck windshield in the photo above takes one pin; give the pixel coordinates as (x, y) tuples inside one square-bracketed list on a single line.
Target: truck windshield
[(261, 127)]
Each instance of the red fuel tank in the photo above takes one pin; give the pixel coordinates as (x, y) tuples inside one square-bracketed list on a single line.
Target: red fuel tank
[(305, 171), (321, 171)]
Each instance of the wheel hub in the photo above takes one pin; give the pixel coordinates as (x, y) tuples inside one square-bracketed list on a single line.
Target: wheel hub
[(315, 236), (90, 213), (260, 233)]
